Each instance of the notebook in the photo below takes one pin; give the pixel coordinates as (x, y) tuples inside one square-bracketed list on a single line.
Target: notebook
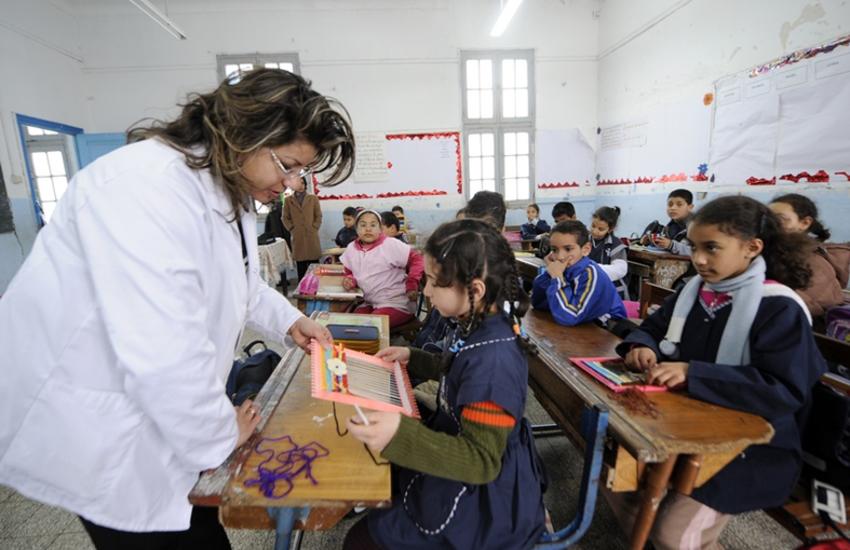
[(613, 373)]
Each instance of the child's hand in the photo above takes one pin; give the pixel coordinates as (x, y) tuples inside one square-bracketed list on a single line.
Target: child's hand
[(644, 240), (394, 353), (663, 242), (669, 373), (348, 284), (555, 267), (412, 295), (641, 359), (380, 431)]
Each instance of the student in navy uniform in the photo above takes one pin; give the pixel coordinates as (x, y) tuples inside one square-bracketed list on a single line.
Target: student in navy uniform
[(737, 338), (535, 225), (672, 237), (348, 233), (607, 250), (563, 211), (470, 478), (391, 227), (572, 286)]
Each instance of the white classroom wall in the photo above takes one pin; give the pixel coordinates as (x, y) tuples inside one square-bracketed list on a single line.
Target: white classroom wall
[(658, 52)]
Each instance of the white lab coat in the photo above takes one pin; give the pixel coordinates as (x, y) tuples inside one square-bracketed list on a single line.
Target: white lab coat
[(116, 338)]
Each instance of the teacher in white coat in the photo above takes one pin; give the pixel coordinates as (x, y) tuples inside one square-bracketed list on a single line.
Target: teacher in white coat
[(119, 330)]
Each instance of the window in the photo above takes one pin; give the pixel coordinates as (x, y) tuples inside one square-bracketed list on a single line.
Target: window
[(498, 122), (232, 67)]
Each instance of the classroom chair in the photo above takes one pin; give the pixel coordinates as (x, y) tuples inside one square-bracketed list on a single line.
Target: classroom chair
[(650, 295)]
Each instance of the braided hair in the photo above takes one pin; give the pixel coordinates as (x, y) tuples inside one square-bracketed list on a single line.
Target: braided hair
[(469, 249)]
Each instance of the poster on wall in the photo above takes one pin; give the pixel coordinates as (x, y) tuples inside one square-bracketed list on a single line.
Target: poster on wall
[(371, 154), (785, 122), (417, 164)]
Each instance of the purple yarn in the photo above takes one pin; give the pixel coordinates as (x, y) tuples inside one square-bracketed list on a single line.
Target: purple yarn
[(290, 464)]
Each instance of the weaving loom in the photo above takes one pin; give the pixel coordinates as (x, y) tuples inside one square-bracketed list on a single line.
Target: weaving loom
[(354, 378)]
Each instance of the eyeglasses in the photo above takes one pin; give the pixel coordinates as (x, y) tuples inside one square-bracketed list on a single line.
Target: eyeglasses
[(289, 172)]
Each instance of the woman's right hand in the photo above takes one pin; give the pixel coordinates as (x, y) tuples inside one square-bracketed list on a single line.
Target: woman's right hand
[(394, 353), (641, 359), (247, 419)]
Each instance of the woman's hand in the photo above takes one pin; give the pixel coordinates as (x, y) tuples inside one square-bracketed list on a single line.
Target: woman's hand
[(247, 419), (669, 373), (394, 353), (380, 431), (304, 329), (348, 283), (641, 358)]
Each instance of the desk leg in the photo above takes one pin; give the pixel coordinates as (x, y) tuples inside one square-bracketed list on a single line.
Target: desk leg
[(657, 478)]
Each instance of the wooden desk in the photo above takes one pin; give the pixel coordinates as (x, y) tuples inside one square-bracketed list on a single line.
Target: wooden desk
[(346, 477), (528, 266), (330, 296), (684, 445), (664, 268)]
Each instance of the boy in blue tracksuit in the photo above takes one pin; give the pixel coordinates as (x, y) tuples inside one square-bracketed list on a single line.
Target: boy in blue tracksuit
[(572, 286)]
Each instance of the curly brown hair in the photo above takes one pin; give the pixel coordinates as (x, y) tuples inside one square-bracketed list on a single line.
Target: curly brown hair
[(266, 108)]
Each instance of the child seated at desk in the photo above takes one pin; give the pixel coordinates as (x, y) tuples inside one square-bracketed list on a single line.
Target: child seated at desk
[(387, 270), (470, 476), (607, 250), (671, 237), (572, 286), (535, 226), (403, 226), (563, 211), (347, 233), (737, 337), (390, 226)]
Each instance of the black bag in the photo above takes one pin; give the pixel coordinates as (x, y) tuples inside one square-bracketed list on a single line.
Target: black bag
[(248, 375), (826, 439)]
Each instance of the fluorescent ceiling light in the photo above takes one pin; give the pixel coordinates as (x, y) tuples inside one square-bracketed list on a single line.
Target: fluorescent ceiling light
[(151, 11), (508, 11)]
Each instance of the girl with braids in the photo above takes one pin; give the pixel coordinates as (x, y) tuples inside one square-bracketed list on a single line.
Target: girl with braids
[(139, 288), (469, 477), (829, 262), (734, 336)]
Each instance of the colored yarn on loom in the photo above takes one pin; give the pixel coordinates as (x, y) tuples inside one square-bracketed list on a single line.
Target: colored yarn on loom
[(291, 463)]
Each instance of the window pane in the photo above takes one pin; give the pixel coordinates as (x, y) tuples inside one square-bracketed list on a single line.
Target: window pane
[(475, 168), (57, 163), (473, 106), (522, 189), (510, 167), (508, 73), (49, 133), (60, 185), (475, 186), (47, 209), (487, 143), (33, 131), (286, 67), (522, 166), (474, 145), (272, 66), (510, 144), (521, 73), (488, 167), (486, 104), (45, 189), (521, 143), (472, 74), (522, 103), (508, 103), (486, 73), (40, 165), (510, 190), (229, 70), (246, 66), (490, 185)]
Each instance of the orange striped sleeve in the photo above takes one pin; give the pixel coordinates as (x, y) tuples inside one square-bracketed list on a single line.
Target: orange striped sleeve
[(489, 414)]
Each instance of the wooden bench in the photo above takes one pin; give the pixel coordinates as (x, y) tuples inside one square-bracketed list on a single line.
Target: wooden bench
[(796, 515)]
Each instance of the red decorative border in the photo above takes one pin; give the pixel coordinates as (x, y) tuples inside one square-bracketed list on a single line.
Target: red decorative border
[(557, 185), (411, 194), (752, 180), (820, 176), (438, 135), (345, 197)]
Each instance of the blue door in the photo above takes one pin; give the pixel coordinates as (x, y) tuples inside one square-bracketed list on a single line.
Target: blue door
[(91, 146)]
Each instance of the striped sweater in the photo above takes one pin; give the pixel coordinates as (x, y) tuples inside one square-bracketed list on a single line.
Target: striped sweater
[(584, 294)]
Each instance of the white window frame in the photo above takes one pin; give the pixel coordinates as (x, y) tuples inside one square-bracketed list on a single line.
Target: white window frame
[(257, 60), (498, 125)]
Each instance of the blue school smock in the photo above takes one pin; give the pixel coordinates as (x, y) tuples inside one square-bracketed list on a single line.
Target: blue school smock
[(776, 385), (433, 512)]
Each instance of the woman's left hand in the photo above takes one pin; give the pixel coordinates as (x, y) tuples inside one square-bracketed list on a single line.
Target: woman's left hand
[(380, 431), (669, 373), (304, 329)]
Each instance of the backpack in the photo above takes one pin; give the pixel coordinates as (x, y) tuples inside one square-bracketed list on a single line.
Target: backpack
[(838, 323), (248, 375)]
